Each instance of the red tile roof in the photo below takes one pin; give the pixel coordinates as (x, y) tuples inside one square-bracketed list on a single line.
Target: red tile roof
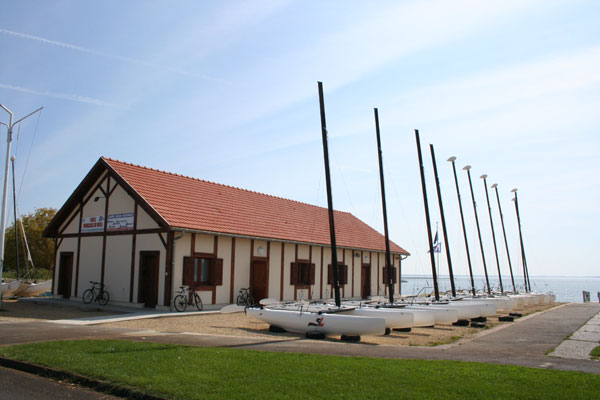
[(194, 204)]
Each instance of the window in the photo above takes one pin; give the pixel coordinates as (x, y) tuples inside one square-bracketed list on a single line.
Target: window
[(302, 273), (202, 271), (342, 274)]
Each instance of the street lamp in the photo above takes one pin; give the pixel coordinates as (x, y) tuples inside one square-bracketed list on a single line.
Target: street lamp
[(9, 127)]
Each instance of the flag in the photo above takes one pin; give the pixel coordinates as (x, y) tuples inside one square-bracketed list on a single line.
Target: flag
[(437, 245)]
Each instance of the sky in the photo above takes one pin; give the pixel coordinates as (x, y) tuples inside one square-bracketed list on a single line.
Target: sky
[(227, 92)]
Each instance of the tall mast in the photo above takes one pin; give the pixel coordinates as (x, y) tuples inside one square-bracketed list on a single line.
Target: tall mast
[(444, 231), (487, 280), (334, 262), (12, 161), (487, 197), (428, 220), (388, 261), (462, 219), (512, 277), (525, 271)]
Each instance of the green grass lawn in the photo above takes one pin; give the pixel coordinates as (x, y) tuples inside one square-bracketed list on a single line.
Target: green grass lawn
[(182, 372), (596, 353)]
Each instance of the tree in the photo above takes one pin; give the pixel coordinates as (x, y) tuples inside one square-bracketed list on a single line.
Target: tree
[(41, 248)]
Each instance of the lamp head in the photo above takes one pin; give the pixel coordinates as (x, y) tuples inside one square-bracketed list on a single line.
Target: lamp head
[(12, 158), (452, 159), (483, 176), (467, 167), (494, 185)]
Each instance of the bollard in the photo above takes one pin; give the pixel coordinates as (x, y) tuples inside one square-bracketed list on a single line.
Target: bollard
[(586, 296)]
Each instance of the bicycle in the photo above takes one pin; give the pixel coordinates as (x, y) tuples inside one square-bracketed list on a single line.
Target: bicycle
[(245, 298), (96, 293), (187, 296)]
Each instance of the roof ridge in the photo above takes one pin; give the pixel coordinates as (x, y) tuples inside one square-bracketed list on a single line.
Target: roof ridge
[(223, 185)]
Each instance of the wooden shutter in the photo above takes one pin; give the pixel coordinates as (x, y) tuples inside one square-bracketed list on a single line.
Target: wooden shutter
[(394, 275), (330, 274), (343, 274), (217, 272), (294, 272), (311, 274), (188, 271)]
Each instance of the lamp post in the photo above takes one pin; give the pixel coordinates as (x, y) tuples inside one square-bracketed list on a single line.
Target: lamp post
[(9, 127), (487, 281), (512, 278), (462, 219), (487, 197), (525, 271)]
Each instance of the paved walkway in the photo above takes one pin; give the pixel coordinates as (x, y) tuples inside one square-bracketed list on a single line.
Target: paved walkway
[(581, 343), (525, 342)]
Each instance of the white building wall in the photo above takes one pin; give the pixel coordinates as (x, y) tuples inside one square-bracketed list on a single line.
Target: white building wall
[(90, 262), (275, 270), (117, 269), (67, 245), (150, 242), (224, 252)]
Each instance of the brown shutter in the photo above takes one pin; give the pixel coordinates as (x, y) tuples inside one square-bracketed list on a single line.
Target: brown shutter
[(330, 274), (343, 274), (217, 271), (188, 271), (395, 275), (311, 274), (294, 274)]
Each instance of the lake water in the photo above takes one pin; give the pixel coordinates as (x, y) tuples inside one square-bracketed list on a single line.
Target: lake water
[(567, 289)]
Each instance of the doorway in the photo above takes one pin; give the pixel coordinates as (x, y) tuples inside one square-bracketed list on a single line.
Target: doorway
[(65, 274), (259, 280), (365, 281), (148, 282)]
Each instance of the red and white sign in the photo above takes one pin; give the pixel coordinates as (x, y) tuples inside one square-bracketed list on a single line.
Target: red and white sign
[(92, 224)]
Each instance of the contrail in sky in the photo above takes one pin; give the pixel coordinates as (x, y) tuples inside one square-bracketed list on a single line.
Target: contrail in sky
[(106, 55), (63, 96)]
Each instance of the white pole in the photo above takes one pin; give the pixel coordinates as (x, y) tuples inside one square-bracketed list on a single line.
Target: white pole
[(5, 192)]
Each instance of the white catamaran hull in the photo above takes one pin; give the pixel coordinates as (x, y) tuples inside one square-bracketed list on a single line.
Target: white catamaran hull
[(8, 288), (328, 324)]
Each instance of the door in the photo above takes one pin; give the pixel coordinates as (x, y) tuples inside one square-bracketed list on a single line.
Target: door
[(65, 274), (148, 283), (365, 281), (259, 280)]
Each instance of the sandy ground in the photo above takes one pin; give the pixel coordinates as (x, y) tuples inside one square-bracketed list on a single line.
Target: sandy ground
[(13, 310), (238, 324)]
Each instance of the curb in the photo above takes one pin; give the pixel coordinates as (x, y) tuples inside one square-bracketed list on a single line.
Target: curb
[(96, 385)]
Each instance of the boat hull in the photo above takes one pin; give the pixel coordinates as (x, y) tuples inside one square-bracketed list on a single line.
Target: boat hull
[(328, 324)]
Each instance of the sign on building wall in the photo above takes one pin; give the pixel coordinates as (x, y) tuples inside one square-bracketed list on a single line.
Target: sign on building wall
[(119, 222), (92, 224)]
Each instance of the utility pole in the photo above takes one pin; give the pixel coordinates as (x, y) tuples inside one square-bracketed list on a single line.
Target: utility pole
[(10, 127)]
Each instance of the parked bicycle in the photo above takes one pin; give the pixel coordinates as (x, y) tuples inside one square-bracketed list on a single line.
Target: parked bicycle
[(96, 293), (186, 295), (245, 298)]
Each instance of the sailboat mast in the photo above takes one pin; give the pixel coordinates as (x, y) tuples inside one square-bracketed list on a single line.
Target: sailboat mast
[(512, 277), (444, 231), (388, 262), (334, 262), (487, 197), (525, 271), (12, 160), (487, 280), (462, 219), (428, 220)]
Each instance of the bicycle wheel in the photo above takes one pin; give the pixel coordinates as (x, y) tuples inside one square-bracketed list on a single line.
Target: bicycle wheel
[(198, 302), (180, 302), (240, 300), (249, 301), (103, 297), (88, 296)]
